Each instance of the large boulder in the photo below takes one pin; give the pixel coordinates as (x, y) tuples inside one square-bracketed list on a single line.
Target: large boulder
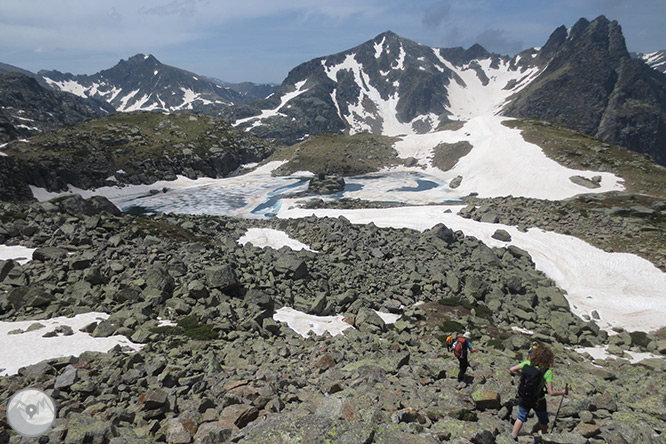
[(292, 266), (30, 296), (222, 277), (44, 254)]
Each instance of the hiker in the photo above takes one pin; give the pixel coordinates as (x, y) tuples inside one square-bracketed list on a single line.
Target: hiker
[(460, 348), (536, 378)]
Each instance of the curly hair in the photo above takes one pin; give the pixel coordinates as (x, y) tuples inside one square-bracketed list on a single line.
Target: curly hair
[(542, 356)]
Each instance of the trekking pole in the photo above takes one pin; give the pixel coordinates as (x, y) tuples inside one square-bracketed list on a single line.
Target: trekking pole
[(566, 390)]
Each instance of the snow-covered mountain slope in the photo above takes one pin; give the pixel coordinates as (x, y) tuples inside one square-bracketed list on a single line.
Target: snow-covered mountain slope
[(656, 60), (389, 85), (142, 83), (583, 79)]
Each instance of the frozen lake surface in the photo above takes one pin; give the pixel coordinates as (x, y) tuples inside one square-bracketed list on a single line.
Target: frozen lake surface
[(263, 198)]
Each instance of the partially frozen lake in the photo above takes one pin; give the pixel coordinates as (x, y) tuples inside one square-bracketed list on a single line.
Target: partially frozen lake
[(263, 198)]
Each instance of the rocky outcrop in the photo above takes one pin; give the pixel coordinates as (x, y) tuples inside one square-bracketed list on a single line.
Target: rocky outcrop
[(127, 149), (27, 108)]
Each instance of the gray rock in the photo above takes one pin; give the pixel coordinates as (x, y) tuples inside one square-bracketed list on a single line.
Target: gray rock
[(502, 235), (31, 296), (153, 399), (554, 296), (369, 321), (292, 266), (158, 278), (444, 233), (67, 378), (222, 277), (104, 329), (322, 184), (563, 438), (84, 429), (585, 182), (456, 182), (44, 254), (177, 433), (212, 433)]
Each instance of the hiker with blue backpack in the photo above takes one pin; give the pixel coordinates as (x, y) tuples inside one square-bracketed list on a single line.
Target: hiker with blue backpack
[(536, 378), (460, 348)]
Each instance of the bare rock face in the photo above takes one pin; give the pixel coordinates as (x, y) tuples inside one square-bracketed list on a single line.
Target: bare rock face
[(592, 85)]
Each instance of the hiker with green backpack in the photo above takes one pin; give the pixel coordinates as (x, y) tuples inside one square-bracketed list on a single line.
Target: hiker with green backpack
[(460, 348), (536, 377)]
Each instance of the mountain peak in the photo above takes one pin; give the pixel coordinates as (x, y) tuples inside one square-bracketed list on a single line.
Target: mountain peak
[(143, 58)]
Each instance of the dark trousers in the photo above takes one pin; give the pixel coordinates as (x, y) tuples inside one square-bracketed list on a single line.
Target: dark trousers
[(464, 363)]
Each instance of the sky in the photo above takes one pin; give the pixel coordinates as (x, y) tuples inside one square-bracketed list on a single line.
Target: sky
[(262, 40)]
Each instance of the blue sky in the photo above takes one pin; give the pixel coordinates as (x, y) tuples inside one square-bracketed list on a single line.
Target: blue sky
[(261, 40)]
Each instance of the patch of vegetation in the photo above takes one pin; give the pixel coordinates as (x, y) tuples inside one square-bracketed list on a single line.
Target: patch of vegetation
[(464, 415), (481, 310), (189, 326), (451, 326), (447, 155), (124, 140), (145, 226), (451, 125), (339, 155), (450, 301), (496, 344), (639, 338), (11, 216)]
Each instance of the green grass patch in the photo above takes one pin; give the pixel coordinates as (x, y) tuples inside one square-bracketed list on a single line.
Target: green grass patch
[(145, 226), (449, 326), (496, 344), (339, 155)]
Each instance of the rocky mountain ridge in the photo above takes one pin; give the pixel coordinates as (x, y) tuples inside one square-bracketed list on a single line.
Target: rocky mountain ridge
[(591, 84), (143, 83), (126, 149), (27, 109), (656, 60)]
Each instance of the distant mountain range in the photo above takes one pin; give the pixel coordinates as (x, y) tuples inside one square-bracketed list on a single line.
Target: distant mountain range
[(583, 78), (656, 60)]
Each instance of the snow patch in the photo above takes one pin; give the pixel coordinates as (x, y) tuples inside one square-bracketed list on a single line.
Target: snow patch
[(268, 237), (27, 348), (256, 120), (68, 86), (303, 323), (601, 352), (20, 254), (379, 48)]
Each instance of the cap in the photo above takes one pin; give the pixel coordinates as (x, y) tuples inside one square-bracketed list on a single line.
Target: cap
[(467, 335)]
